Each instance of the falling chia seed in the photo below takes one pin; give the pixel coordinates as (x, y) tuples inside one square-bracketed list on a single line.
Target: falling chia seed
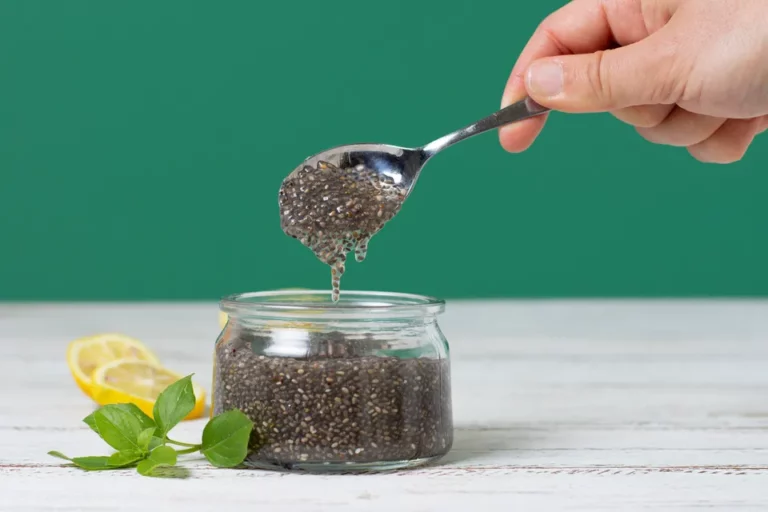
[(334, 211), (335, 405)]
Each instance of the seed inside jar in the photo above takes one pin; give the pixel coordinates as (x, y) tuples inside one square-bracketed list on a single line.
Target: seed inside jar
[(333, 410), (334, 211)]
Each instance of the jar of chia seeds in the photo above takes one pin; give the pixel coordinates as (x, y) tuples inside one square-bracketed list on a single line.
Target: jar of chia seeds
[(358, 385)]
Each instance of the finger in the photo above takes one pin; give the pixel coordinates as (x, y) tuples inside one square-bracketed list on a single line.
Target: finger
[(518, 137), (763, 125), (586, 26), (728, 144), (645, 73), (682, 128), (644, 116), (582, 26)]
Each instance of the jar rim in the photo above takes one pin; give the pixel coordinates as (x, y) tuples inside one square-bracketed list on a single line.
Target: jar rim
[(318, 304)]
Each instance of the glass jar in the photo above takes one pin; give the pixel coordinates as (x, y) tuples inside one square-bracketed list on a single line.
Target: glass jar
[(359, 385)]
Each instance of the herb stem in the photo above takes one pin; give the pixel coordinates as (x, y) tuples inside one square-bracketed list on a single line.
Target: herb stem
[(193, 449), (179, 443)]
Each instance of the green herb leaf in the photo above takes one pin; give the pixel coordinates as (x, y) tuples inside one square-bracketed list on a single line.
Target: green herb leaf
[(132, 409), (59, 455), (174, 404), (90, 420), (155, 442), (137, 413), (225, 439), (160, 456), (145, 438), (124, 459), (87, 463), (120, 425), (92, 463)]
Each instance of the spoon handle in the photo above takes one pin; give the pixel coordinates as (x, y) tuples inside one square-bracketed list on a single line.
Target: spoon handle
[(517, 111)]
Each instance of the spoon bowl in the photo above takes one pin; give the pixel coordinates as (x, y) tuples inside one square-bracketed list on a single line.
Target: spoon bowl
[(403, 165)]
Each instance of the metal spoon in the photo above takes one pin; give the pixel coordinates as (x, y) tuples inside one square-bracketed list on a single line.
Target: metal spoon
[(403, 165)]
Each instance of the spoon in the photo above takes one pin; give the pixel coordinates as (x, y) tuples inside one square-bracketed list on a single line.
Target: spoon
[(403, 165), (335, 201)]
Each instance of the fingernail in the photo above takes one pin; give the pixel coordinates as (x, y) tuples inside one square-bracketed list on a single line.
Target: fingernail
[(545, 79)]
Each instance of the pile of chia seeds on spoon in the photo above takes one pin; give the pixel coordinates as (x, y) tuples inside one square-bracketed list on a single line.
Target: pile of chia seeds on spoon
[(335, 211)]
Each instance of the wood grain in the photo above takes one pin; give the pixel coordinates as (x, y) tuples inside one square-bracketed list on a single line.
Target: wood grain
[(558, 406)]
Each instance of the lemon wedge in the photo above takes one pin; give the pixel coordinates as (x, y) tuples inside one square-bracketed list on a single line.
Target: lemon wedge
[(86, 354), (140, 383)]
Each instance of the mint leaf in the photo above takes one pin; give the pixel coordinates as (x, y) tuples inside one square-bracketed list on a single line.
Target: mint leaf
[(160, 456), (87, 463), (120, 426), (123, 459), (174, 404), (145, 438), (225, 439)]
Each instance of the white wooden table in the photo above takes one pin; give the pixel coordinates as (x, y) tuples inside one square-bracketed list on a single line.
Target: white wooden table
[(587, 406)]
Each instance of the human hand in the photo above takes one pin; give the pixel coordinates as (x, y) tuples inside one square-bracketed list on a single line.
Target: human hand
[(689, 73)]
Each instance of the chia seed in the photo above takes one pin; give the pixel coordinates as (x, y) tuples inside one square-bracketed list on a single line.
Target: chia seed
[(334, 211), (337, 404)]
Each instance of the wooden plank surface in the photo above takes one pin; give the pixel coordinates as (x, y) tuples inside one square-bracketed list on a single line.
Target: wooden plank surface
[(558, 406)]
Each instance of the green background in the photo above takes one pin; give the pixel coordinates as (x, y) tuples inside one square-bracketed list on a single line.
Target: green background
[(142, 145)]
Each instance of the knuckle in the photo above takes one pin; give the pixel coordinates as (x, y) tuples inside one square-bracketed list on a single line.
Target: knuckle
[(671, 137), (548, 31), (673, 70), (598, 77), (648, 120), (643, 117), (650, 135), (665, 75)]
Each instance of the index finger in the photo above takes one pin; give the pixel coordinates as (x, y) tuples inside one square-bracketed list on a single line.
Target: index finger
[(582, 26)]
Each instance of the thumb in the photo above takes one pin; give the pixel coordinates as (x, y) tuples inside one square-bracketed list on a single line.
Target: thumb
[(638, 74)]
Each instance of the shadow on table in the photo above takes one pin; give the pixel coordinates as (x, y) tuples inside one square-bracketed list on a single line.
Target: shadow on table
[(171, 472), (475, 444)]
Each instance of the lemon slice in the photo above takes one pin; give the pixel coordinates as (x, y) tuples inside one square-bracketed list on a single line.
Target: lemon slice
[(140, 383), (223, 319), (84, 355)]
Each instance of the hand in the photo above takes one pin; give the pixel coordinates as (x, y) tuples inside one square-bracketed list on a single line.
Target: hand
[(689, 73)]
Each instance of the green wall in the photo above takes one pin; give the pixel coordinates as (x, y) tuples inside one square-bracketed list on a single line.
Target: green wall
[(142, 145)]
